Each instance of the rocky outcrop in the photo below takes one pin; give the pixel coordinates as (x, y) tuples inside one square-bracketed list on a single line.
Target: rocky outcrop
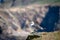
[(19, 22)]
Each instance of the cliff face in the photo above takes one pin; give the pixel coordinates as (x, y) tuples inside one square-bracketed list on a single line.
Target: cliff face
[(19, 22), (17, 16)]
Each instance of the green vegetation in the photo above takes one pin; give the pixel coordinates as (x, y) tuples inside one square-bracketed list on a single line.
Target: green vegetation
[(48, 1)]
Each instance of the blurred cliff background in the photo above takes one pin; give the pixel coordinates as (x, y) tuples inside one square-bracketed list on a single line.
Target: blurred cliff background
[(22, 19)]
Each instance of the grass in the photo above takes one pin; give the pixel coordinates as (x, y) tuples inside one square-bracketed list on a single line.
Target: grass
[(49, 36)]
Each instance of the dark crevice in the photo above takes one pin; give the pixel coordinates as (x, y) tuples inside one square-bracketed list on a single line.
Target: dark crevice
[(0, 30)]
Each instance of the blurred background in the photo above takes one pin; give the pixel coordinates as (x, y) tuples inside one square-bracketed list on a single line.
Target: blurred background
[(29, 19)]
